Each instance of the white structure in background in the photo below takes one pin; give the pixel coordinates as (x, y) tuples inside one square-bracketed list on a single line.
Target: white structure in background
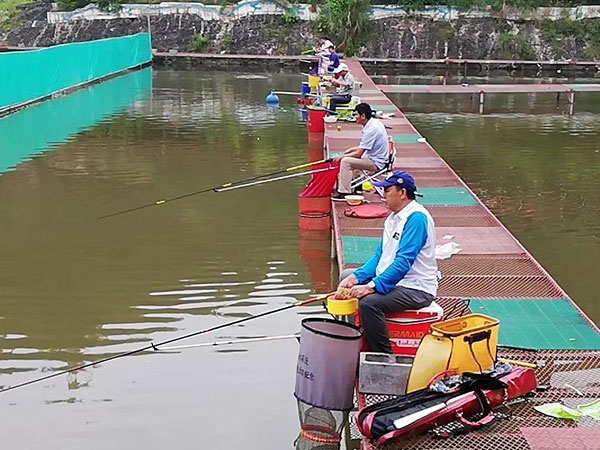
[(305, 12)]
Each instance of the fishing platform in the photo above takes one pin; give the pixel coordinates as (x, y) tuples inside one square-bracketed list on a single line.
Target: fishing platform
[(539, 323)]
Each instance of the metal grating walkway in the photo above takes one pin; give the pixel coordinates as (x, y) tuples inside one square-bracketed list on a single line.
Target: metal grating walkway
[(499, 277)]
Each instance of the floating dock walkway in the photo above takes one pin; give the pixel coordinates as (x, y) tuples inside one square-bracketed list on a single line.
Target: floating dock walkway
[(539, 323), (482, 89), (485, 88)]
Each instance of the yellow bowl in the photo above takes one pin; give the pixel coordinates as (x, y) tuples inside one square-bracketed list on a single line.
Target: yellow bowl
[(341, 307)]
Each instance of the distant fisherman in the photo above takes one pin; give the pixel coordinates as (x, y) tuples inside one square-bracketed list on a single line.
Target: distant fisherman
[(334, 59), (344, 83)]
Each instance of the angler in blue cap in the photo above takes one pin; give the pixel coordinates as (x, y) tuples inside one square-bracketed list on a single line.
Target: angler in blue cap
[(402, 274)]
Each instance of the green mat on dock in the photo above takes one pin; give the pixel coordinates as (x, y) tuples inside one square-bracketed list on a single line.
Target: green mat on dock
[(357, 249), (407, 86), (384, 108), (539, 323), (368, 91), (405, 138), (446, 196)]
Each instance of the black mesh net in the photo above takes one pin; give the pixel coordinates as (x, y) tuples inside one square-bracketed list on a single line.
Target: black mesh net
[(320, 429)]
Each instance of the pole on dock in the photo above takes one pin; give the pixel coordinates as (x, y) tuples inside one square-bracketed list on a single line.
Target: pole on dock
[(571, 100), (481, 100)]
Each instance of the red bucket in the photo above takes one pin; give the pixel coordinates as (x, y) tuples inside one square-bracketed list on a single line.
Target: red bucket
[(314, 221), (315, 121), (408, 328), (314, 205)]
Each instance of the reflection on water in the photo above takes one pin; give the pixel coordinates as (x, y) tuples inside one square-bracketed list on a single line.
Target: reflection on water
[(75, 289), (507, 104), (540, 175), (44, 126)]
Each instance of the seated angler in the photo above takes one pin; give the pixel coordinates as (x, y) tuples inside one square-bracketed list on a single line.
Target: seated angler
[(344, 83), (402, 274), (334, 59), (371, 154)]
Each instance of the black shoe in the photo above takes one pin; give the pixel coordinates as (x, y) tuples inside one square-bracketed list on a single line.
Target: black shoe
[(339, 197), (358, 190)]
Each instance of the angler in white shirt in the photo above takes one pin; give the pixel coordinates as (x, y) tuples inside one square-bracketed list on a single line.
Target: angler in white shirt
[(402, 274), (371, 154)]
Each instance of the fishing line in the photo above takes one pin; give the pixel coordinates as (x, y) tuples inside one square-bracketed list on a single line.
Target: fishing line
[(155, 346), (212, 189)]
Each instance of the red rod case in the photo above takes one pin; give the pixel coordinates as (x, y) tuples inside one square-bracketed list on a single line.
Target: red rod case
[(380, 423)]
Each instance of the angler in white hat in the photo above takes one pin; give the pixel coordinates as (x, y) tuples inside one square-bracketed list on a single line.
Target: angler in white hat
[(344, 82)]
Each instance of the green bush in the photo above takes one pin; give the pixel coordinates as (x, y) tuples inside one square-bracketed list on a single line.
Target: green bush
[(107, 5), (524, 49), (199, 42), (505, 40), (515, 46), (289, 17), (226, 42), (583, 31), (347, 21)]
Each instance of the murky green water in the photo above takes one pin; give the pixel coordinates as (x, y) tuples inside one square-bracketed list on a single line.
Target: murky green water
[(74, 289), (534, 166)]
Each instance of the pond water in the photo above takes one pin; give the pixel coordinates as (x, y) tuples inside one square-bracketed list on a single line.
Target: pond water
[(75, 289), (534, 165)]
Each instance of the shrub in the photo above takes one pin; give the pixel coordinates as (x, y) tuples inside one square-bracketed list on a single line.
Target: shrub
[(107, 5), (505, 40), (199, 42), (289, 17), (348, 21), (226, 42)]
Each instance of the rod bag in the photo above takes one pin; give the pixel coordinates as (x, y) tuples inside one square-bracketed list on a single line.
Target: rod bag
[(423, 410)]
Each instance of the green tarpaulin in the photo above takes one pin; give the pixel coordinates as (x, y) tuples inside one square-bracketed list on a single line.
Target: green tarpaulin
[(34, 74)]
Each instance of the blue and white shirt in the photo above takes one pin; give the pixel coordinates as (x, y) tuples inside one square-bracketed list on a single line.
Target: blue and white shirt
[(406, 253), (374, 141)]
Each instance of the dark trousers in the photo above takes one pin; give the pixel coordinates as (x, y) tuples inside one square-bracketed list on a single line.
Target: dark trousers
[(335, 100), (373, 308)]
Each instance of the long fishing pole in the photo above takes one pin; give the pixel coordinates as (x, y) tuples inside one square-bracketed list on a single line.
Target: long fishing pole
[(269, 180), (155, 346), (294, 93), (230, 342), (214, 188)]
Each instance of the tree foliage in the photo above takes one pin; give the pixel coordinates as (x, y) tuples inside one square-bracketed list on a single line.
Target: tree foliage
[(347, 21)]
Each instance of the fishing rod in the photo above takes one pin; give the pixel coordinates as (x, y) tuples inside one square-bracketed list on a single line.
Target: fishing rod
[(294, 93), (213, 189), (230, 342), (155, 346), (269, 180)]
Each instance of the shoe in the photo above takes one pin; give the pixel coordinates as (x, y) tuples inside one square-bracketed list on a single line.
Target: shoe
[(339, 197), (359, 190)]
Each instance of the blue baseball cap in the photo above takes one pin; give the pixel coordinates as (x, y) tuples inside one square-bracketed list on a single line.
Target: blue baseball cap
[(398, 178)]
